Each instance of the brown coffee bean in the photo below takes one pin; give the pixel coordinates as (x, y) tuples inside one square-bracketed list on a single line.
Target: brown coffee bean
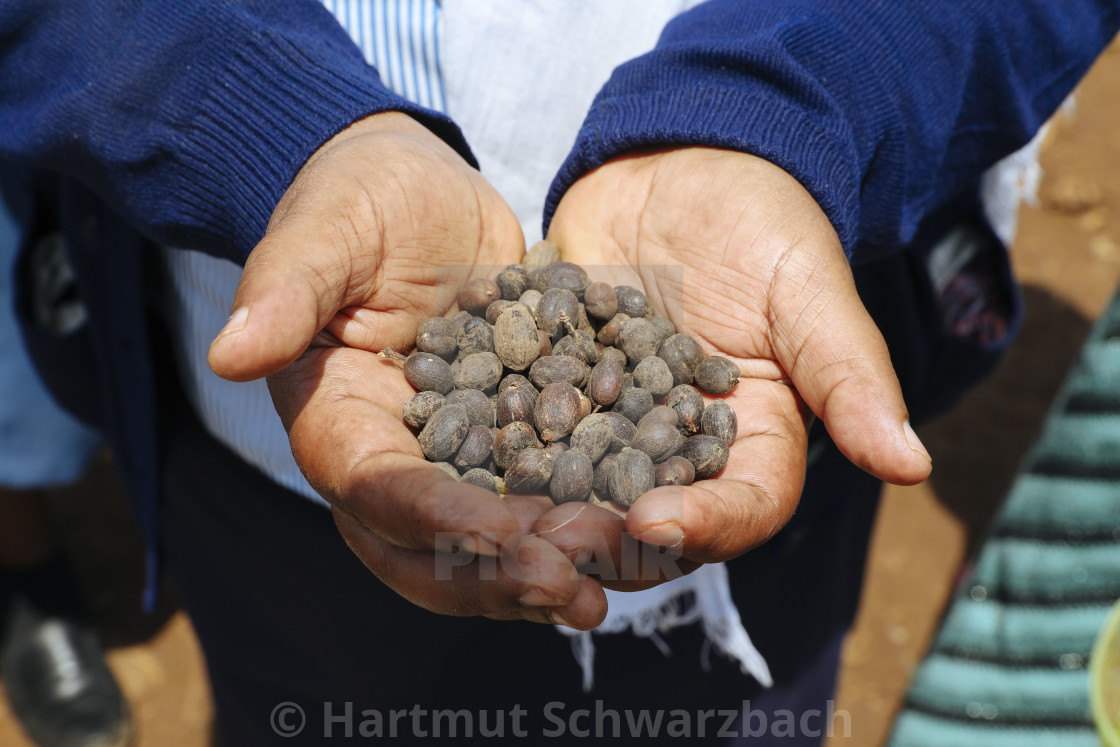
[(556, 448), (631, 301), (663, 327), (515, 403), (429, 373), (720, 420), (653, 375), (566, 275), (437, 335), (682, 354), (600, 301), (633, 403), (444, 433), (512, 282), (557, 411), (475, 295), (421, 406), (481, 478), (624, 430), (600, 483), (688, 403), (513, 438), (658, 439), (540, 254), (676, 470), (707, 453), (479, 409), (529, 299), (477, 336), (516, 338), (659, 414), (448, 468), (580, 345), (604, 383), (583, 323), (593, 436), (529, 472), (476, 449), (460, 319), (608, 333), (480, 371), (585, 406), (556, 305), (611, 353), (494, 310), (545, 343), (631, 476), (554, 368), (716, 375), (517, 380), (572, 477), (637, 339)]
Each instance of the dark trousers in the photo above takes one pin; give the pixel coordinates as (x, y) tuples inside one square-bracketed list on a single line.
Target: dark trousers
[(297, 631)]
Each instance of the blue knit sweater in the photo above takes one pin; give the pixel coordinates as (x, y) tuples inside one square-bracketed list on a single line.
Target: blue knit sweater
[(191, 118)]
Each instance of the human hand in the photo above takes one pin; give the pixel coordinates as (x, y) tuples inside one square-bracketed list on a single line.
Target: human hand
[(376, 233), (739, 255)]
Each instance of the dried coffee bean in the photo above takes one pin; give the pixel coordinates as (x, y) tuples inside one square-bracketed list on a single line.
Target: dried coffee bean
[(663, 327), (557, 411), (653, 374), (515, 338), (608, 333), (716, 375), (631, 476), (540, 254), (556, 305), (517, 380), (545, 343), (659, 414), (515, 403), (637, 339), (604, 383), (444, 433), (556, 448), (480, 371), (688, 403), (624, 430), (475, 295), (585, 406), (658, 439), (633, 403), (529, 472), (554, 368), (421, 406), (529, 299), (566, 275), (631, 301), (437, 335), (479, 409), (512, 282), (600, 483), (481, 478), (627, 382), (429, 373), (580, 345), (476, 449), (494, 310), (460, 319), (600, 301), (612, 353), (682, 354), (707, 453), (572, 477), (514, 438), (719, 420), (676, 470), (593, 436), (448, 468), (583, 324), (477, 336)]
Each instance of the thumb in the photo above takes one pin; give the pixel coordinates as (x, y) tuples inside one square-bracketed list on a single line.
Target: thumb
[(291, 287), (841, 366)]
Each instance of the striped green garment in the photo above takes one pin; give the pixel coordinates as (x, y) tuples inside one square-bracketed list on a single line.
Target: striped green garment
[(1009, 665)]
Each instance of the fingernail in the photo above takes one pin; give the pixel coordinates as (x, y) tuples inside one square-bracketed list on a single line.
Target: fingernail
[(668, 534), (236, 321), (914, 441), (479, 546), (537, 598)]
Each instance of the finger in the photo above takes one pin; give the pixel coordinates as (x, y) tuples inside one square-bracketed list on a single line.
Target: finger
[(839, 362), (530, 580)]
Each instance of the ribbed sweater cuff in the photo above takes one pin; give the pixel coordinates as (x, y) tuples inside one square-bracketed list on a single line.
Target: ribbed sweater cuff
[(271, 107), (761, 123)]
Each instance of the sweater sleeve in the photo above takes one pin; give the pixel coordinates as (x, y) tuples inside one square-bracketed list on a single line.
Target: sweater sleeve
[(882, 110), (189, 118)]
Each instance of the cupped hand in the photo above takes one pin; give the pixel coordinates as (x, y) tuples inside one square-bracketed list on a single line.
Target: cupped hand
[(738, 254), (376, 233)]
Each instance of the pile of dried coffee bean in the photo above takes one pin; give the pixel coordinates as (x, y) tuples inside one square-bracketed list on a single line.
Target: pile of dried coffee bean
[(548, 383)]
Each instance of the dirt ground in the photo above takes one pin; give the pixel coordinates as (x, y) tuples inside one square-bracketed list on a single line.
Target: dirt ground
[(1068, 257)]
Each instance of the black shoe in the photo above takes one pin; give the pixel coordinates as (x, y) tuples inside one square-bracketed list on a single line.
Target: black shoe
[(57, 681)]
